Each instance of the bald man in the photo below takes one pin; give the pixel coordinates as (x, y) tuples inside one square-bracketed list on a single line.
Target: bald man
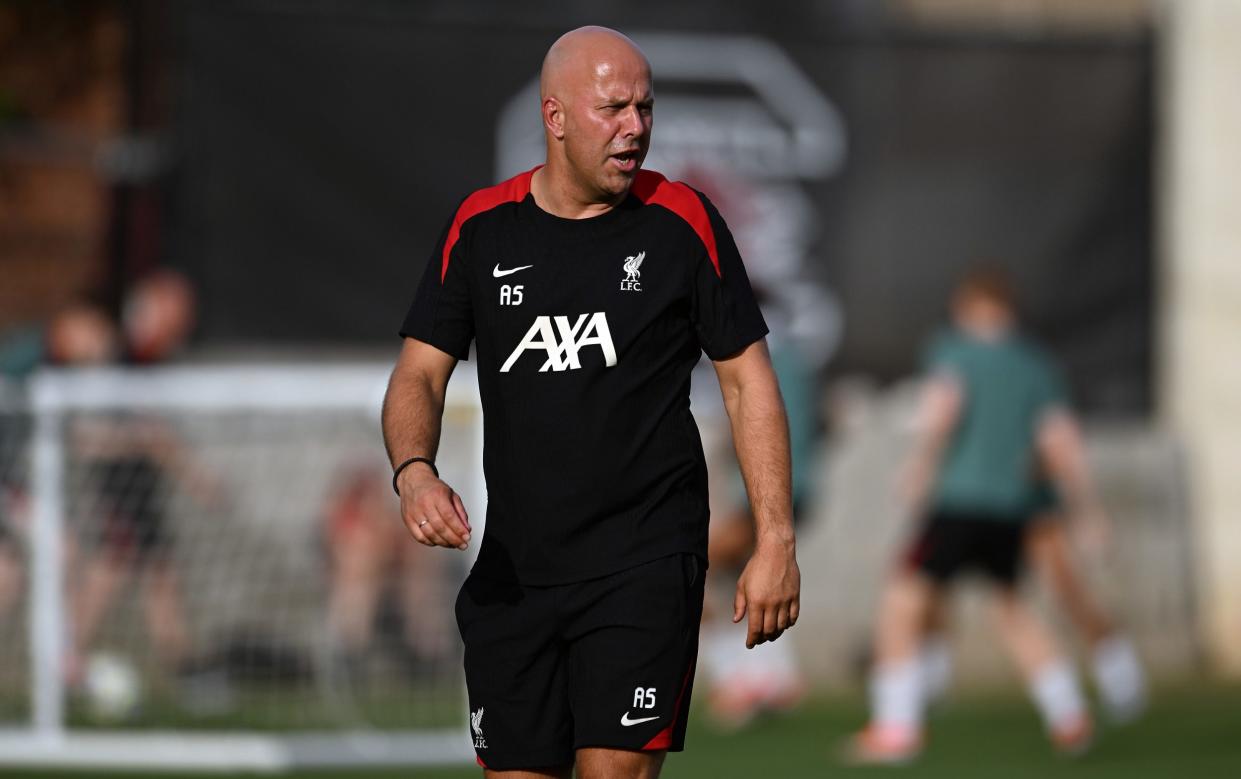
[(589, 288)]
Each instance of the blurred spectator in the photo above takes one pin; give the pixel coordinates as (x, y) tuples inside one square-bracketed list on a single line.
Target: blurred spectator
[(133, 462), (79, 335), (370, 554), (992, 406), (158, 317)]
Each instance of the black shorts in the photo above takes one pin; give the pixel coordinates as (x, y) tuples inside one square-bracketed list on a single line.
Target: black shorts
[(952, 543), (131, 495), (602, 663)]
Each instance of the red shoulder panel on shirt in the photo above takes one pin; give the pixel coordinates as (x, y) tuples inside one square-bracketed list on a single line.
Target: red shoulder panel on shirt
[(653, 189), (512, 191)]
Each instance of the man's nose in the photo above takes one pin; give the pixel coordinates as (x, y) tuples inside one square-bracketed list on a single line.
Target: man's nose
[(632, 124)]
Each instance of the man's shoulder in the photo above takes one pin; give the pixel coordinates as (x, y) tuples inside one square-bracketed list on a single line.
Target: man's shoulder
[(511, 190), (652, 188), (482, 201)]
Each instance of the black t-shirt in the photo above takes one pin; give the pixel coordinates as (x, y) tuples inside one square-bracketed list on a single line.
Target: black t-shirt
[(586, 331)]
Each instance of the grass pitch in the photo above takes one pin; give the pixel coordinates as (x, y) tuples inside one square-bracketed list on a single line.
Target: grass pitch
[(1189, 732)]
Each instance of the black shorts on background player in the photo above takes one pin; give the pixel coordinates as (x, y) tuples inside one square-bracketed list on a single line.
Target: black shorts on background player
[(130, 512), (951, 543), (607, 662)]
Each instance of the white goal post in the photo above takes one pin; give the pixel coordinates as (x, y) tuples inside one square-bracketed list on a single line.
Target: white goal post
[(271, 440)]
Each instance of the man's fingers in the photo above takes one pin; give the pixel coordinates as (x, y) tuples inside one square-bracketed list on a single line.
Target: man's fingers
[(426, 526), (768, 622), (738, 604), (771, 623), (440, 519), (794, 611), (419, 535), (447, 524), (782, 619), (754, 636), (413, 520), (461, 512)]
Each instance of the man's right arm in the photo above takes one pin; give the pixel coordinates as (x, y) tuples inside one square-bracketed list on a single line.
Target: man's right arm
[(412, 413)]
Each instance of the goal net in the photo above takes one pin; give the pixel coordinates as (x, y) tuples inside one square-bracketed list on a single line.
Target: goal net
[(205, 567)]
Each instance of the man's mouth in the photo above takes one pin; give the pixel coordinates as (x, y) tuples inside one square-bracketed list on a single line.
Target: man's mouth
[(625, 161)]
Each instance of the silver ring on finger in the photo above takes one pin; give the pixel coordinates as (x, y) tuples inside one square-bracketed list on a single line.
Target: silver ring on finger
[(423, 522)]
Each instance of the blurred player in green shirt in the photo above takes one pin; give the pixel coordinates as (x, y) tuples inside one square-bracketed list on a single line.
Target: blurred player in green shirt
[(993, 406)]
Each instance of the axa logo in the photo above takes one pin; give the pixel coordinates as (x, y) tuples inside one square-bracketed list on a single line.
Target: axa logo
[(632, 273), (476, 725), (562, 340)]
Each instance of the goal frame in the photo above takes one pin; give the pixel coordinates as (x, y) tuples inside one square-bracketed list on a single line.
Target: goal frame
[(53, 393)]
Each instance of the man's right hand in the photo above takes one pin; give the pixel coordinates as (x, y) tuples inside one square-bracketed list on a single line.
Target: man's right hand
[(433, 513)]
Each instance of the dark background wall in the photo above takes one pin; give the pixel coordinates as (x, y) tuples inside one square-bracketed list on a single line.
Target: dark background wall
[(321, 147)]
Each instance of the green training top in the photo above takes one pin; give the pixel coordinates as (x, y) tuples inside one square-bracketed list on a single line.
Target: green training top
[(989, 465)]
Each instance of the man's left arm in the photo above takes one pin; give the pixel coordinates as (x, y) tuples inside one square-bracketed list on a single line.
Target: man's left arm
[(770, 586), (1062, 447)]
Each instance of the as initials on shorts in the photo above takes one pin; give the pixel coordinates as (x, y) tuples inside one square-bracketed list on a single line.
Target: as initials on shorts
[(644, 698), (562, 343)]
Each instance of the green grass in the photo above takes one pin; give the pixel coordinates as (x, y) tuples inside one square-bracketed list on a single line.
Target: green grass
[(276, 710), (1190, 733)]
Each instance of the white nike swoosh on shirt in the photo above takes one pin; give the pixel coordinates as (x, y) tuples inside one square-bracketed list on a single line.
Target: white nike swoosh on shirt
[(627, 722), (498, 273)]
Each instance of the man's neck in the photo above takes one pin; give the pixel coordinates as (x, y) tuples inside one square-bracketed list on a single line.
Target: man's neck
[(556, 192), (988, 331)]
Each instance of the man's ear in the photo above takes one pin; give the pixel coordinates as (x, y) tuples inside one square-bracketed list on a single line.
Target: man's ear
[(553, 117)]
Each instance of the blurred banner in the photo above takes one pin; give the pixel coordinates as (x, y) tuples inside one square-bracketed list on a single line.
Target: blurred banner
[(323, 146)]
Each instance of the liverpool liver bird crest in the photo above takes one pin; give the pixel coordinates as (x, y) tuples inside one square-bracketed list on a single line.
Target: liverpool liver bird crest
[(632, 264)]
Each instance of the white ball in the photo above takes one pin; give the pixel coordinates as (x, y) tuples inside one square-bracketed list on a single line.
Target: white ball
[(113, 687)]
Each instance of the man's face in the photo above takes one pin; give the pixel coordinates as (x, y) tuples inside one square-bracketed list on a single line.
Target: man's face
[(975, 310), (607, 128)]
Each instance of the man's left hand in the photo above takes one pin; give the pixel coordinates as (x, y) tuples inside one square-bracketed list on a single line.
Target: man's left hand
[(770, 590)]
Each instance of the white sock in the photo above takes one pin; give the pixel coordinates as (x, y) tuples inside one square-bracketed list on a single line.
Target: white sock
[(1118, 675), (936, 660), (896, 696), (1057, 695)]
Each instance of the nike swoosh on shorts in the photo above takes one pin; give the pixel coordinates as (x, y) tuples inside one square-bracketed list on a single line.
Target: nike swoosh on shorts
[(625, 721), (496, 272)]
